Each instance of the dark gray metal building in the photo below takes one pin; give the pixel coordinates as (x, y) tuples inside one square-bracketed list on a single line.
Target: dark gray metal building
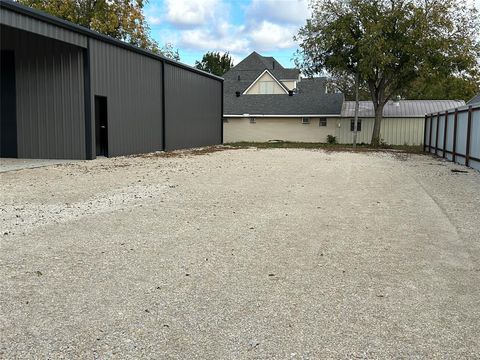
[(71, 93)]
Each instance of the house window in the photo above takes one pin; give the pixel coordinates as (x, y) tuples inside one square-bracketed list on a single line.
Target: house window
[(252, 120), (305, 120), (359, 125), (322, 122), (266, 87)]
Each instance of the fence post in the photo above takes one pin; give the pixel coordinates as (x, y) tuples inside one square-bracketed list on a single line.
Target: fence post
[(455, 121), (425, 133), (445, 134), (469, 128), (436, 135), (430, 134)]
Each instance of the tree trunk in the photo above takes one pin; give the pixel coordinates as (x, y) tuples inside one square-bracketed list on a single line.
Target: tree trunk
[(376, 126), (355, 121)]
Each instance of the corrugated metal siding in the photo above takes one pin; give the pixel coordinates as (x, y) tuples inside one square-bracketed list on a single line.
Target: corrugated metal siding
[(49, 96), (132, 84), (393, 131), (20, 21), (193, 111), (461, 135), (475, 131)]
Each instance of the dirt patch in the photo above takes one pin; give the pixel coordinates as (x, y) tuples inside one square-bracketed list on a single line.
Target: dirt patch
[(188, 152)]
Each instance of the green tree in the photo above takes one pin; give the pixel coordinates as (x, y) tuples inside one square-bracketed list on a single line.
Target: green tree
[(120, 19), (425, 87), (169, 51), (345, 84), (391, 43), (443, 87), (215, 63)]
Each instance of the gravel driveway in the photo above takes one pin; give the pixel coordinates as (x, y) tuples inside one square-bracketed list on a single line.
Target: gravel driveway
[(275, 253)]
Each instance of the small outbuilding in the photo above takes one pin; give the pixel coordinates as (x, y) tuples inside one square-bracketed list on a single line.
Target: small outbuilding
[(71, 93)]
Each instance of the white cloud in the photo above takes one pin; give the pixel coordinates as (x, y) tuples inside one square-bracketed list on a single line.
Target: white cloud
[(191, 12), (206, 25), (270, 36), (279, 11), (154, 20), (221, 36)]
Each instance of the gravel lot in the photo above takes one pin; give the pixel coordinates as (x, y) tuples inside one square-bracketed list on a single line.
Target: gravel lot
[(275, 253)]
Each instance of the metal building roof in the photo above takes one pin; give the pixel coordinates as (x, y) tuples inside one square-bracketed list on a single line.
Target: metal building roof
[(402, 108), (40, 15), (474, 100)]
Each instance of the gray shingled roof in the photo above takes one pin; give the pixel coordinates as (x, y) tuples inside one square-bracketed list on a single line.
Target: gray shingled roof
[(474, 100), (402, 108), (254, 64), (250, 69), (310, 98)]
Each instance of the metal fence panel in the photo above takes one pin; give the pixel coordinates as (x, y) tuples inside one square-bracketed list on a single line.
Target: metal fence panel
[(433, 134), (455, 135), (475, 142)]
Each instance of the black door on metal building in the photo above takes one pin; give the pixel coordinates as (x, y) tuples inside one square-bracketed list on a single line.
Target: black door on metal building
[(8, 107), (101, 128)]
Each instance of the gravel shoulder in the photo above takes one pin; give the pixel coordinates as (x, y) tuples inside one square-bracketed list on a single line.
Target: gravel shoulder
[(245, 253)]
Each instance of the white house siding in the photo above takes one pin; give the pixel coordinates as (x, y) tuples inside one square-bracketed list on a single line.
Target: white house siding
[(394, 131), (286, 129), (289, 84)]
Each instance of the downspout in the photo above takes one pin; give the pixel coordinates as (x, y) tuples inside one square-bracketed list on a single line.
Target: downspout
[(164, 146)]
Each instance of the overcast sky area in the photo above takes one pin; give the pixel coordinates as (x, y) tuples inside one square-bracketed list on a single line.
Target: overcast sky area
[(236, 26)]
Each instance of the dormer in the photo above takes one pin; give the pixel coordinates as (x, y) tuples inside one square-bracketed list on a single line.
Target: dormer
[(266, 83)]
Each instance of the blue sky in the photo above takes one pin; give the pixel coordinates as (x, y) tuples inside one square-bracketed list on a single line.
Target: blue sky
[(237, 26)]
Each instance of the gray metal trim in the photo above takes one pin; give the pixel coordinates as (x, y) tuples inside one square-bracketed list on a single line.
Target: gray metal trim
[(87, 91), (16, 20), (221, 118)]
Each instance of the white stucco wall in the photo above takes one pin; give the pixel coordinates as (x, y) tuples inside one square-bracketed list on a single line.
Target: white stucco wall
[(286, 129), (394, 131)]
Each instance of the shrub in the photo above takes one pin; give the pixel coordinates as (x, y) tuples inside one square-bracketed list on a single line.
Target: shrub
[(331, 139)]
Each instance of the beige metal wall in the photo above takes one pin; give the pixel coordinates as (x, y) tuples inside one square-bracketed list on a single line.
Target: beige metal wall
[(394, 131), (286, 129)]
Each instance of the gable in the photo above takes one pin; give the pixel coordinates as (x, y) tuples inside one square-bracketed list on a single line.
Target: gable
[(265, 84)]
